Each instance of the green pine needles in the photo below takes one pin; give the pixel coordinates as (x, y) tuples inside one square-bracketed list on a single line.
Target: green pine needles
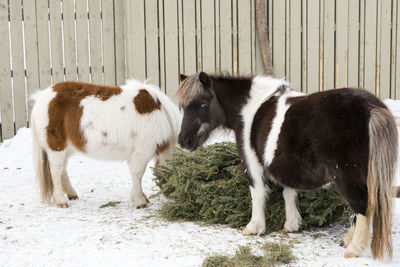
[(208, 186), (274, 254)]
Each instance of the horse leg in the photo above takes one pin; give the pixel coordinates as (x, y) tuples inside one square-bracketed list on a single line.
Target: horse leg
[(259, 192), (293, 218), (66, 183), (348, 237), (357, 239), (56, 163), (160, 157), (137, 166), (360, 240)]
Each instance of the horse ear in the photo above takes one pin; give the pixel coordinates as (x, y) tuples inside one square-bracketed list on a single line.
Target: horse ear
[(182, 77), (205, 79)]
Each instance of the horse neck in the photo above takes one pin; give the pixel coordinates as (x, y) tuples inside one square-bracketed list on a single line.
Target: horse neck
[(232, 94)]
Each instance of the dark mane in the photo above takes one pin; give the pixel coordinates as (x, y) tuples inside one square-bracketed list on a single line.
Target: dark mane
[(192, 88)]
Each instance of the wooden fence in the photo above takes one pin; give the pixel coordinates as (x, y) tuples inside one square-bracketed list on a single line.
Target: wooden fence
[(48, 41), (315, 44)]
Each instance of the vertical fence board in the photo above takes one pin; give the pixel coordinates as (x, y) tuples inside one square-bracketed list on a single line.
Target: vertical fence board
[(329, 45), (128, 37), (313, 46), (119, 30), (95, 42), (42, 22), (269, 11), (162, 44), (82, 41), (171, 47), (304, 47), (370, 45), (378, 48), (253, 37), (287, 39), (321, 45), (226, 35), (385, 47), (137, 58), (278, 44), (393, 93), (199, 59), (31, 50), (69, 40), (217, 37), (7, 121), (180, 35), (208, 35), (107, 10), (244, 36), (189, 36), (398, 53), (295, 44), (56, 41), (353, 42), (18, 69), (235, 37), (341, 43), (152, 55), (362, 45), (259, 60)]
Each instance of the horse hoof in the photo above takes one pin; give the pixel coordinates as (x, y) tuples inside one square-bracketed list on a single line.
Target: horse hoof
[(342, 244), (349, 255), (63, 206), (142, 206), (73, 197), (284, 230), (246, 232)]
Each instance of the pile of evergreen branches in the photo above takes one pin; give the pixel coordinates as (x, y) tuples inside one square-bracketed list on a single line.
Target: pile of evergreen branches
[(208, 186)]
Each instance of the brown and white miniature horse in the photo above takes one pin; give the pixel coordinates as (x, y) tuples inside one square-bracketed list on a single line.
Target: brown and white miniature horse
[(346, 137), (133, 122)]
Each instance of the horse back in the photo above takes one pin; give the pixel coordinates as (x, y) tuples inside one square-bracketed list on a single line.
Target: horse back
[(102, 121)]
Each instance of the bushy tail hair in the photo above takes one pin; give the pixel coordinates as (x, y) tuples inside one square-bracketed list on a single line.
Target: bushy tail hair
[(381, 170), (42, 168)]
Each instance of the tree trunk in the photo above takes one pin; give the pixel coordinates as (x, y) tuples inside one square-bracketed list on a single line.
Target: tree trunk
[(263, 31)]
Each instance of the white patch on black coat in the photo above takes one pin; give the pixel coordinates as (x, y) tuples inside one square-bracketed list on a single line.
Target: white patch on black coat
[(262, 88)]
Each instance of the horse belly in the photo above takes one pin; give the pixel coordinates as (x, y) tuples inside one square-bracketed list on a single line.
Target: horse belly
[(297, 173), (109, 137)]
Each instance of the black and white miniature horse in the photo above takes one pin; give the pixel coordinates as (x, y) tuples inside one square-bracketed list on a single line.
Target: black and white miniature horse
[(346, 137)]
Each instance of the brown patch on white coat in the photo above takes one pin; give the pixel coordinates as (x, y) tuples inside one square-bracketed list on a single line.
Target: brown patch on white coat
[(145, 103), (160, 150), (65, 112)]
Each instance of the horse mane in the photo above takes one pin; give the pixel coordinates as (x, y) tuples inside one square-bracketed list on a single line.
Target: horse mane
[(192, 88), (189, 89)]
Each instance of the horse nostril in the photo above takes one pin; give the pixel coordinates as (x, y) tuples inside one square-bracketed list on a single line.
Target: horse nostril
[(189, 142)]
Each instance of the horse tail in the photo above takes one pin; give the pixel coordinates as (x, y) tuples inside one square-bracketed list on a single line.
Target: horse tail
[(381, 170), (41, 165)]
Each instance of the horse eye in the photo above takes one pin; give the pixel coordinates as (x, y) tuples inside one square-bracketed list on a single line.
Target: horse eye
[(203, 105)]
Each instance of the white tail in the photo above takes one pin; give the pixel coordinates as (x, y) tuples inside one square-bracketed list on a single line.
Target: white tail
[(381, 170), (42, 169)]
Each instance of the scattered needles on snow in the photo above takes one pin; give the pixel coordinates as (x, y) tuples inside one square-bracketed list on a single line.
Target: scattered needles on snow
[(208, 186), (110, 204), (275, 254)]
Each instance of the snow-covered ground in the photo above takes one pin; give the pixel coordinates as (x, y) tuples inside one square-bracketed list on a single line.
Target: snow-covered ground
[(37, 234)]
